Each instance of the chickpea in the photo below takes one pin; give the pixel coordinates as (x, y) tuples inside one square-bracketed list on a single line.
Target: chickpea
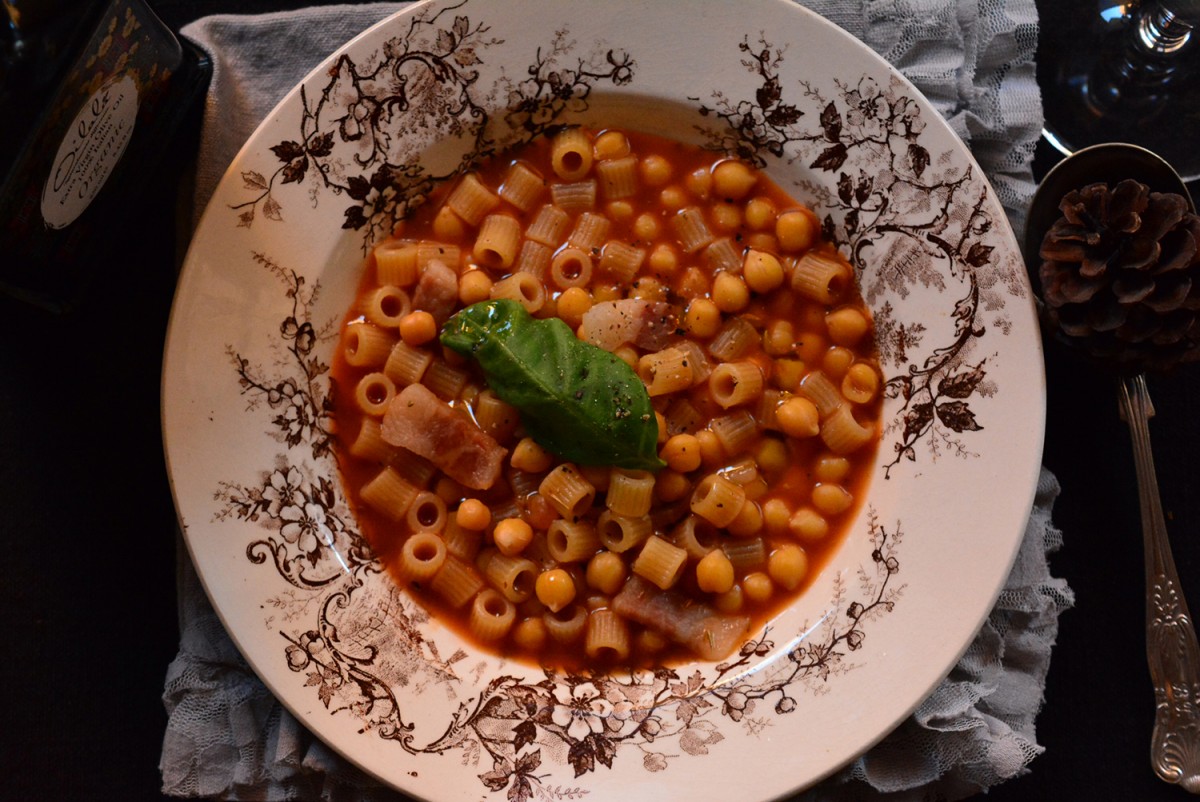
[(757, 587), (702, 318), (788, 566), (512, 535), (474, 286), (846, 326), (606, 572), (610, 145), (682, 453), (795, 230), (418, 328), (831, 499), (760, 214), (808, 526), (798, 417), (730, 293), (473, 514), (714, 572), (762, 271), (555, 589), (528, 456), (733, 179), (647, 227), (573, 304), (656, 171), (860, 384)]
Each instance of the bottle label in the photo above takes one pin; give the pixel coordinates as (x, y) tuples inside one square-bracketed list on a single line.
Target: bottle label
[(90, 151)]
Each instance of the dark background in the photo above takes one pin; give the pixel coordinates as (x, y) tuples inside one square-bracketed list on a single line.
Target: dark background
[(87, 550)]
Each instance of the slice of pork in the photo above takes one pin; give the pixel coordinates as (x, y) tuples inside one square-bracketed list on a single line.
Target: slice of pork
[(437, 291), (709, 634), (419, 421), (647, 324)]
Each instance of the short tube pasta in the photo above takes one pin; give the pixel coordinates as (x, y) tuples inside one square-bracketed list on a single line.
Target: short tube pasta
[(471, 200), (447, 382), (369, 444), (533, 258), (621, 261), (572, 541), (696, 536), (386, 306), (735, 431), (746, 554), (365, 345), (817, 387), (456, 582), (620, 533), (843, 434), (549, 226), (389, 494), (721, 254), (426, 513), (734, 383), (618, 177), (717, 500), (568, 624), (373, 393), (523, 186), (492, 615), (571, 154), (396, 263), (421, 556), (734, 340), (665, 372), (512, 576), (630, 492), (660, 562), (576, 197), (820, 277), (567, 491), (498, 241), (524, 288), (607, 636), (590, 232), (406, 365), (571, 267), (692, 230), (494, 416)]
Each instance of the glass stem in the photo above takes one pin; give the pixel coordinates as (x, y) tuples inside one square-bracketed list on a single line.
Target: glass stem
[(1161, 31)]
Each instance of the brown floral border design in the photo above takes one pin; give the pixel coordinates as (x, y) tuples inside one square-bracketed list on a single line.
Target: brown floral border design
[(905, 217), (352, 633), (363, 135)]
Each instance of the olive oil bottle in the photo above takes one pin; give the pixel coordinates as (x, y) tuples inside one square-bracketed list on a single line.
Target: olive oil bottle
[(93, 99)]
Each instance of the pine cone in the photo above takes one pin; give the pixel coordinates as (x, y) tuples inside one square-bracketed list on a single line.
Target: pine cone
[(1121, 275)]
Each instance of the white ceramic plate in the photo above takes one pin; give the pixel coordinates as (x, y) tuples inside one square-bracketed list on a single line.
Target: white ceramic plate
[(273, 268)]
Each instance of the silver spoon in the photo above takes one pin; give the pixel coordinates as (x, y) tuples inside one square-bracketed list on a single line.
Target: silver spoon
[(1172, 650)]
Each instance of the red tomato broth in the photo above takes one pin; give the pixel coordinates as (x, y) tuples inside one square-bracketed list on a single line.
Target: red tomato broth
[(792, 484)]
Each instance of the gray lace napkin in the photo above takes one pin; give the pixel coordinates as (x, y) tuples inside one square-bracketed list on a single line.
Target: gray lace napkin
[(229, 738)]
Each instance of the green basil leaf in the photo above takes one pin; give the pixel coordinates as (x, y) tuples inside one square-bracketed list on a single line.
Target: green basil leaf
[(576, 400)]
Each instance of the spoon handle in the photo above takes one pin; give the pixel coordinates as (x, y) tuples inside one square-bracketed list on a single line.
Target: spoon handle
[(1171, 647)]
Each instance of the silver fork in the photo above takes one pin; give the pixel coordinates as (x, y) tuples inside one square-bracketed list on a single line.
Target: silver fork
[(1171, 647)]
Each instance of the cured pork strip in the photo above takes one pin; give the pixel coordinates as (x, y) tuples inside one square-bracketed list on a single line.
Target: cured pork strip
[(426, 425), (710, 635)]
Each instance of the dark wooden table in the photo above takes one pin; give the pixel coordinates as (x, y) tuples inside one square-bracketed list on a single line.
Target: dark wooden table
[(87, 596)]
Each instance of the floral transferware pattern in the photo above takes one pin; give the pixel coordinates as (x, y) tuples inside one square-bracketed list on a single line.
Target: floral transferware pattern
[(367, 139)]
